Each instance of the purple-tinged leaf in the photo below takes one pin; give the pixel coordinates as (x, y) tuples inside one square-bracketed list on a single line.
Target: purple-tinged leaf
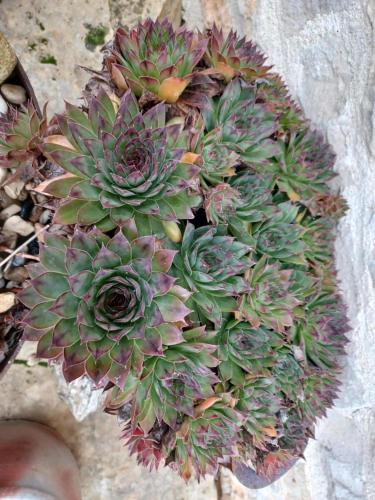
[(65, 333), (106, 259), (90, 333), (76, 354), (80, 283), (67, 213), (30, 297), (162, 260), (77, 261), (120, 246), (50, 285), (97, 369), (73, 372), (171, 308), (45, 349), (65, 306), (143, 247), (41, 317), (100, 347), (170, 334), (161, 283)]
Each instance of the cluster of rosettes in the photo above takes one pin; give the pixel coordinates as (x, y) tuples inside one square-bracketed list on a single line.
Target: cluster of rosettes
[(191, 270)]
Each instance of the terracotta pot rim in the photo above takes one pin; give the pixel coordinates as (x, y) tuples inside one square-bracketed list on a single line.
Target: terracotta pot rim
[(21, 493)]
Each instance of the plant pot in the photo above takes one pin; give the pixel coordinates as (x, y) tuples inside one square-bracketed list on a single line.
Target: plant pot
[(249, 478), (35, 463), (10, 334)]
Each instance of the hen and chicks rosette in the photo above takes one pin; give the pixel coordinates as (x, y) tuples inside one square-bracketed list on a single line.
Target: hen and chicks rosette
[(189, 270)]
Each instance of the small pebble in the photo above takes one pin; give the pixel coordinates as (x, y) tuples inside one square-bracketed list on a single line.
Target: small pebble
[(18, 225), (3, 175), (17, 274), (45, 217), (2, 283), (18, 261), (7, 300), (26, 208), (11, 284), (5, 201), (14, 189), (14, 94), (3, 106), (7, 212), (8, 239)]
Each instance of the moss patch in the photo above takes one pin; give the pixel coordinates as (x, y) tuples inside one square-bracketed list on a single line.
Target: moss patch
[(48, 59), (95, 36)]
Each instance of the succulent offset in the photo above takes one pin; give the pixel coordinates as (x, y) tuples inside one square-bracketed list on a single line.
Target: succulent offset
[(21, 134), (190, 268)]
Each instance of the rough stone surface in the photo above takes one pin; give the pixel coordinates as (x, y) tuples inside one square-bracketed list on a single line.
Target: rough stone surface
[(324, 50), (49, 39), (128, 12), (7, 57), (80, 395)]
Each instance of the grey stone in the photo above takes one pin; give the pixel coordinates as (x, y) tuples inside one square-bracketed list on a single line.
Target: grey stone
[(18, 261), (3, 106), (18, 225), (16, 274), (8, 59), (45, 217), (14, 189), (7, 300), (8, 239), (15, 94), (81, 395), (3, 171), (11, 284), (9, 211)]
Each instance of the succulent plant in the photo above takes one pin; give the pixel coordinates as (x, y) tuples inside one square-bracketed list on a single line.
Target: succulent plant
[(232, 56), (303, 166), (242, 124), (191, 272), (211, 265), (122, 164), (101, 305), (153, 57), (21, 133)]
